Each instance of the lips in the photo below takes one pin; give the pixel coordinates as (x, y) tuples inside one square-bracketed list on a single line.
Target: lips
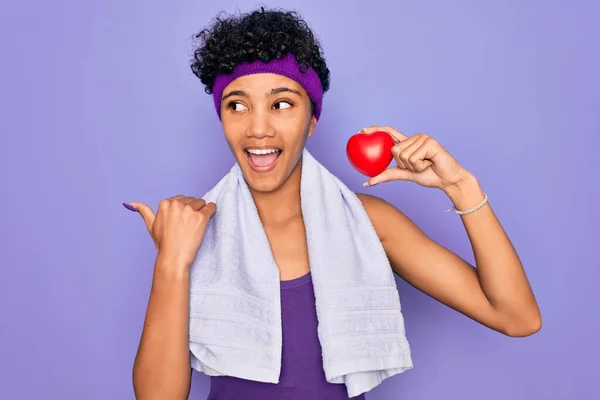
[(262, 159)]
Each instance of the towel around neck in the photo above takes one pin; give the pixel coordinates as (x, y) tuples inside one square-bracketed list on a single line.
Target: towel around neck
[(235, 309)]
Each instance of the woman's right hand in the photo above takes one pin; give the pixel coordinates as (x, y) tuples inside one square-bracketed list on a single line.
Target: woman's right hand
[(178, 227)]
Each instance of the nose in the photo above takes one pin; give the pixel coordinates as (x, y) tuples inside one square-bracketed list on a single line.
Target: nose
[(260, 125)]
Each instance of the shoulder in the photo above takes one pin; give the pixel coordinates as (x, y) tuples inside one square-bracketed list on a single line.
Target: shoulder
[(385, 217), (374, 206)]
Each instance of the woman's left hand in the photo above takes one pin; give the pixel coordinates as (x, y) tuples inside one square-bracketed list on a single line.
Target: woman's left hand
[(421, 159)]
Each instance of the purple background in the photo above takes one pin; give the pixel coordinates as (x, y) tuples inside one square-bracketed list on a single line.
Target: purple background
[(99, 107)]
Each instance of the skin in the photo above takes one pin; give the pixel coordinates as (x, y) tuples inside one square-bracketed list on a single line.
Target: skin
[(496, 294), (253, 114), (274, 111)]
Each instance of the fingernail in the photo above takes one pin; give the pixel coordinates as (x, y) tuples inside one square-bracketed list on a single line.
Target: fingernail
[(129, 207), (366, 184)]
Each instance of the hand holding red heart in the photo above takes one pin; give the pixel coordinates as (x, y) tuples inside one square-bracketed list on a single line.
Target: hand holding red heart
[(420, 159)]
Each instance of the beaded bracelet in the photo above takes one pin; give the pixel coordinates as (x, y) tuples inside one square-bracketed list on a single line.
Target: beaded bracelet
[(470, 210)]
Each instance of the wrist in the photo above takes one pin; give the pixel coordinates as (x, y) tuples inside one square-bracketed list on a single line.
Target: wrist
[(466, 193), (171, 267)]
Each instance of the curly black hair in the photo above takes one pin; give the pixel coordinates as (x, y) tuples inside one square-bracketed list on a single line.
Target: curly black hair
[(257, 35)]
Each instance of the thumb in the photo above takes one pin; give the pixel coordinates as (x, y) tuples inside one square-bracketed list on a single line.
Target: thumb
[(390, 174), (146, 213)]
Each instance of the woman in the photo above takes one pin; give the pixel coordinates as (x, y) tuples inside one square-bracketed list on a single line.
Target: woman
[(267, 118)]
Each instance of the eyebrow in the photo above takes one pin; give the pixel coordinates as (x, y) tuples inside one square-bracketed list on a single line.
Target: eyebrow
[(284, 89), (276, 90)]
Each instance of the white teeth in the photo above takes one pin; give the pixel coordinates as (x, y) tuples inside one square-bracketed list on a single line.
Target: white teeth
[(262, 151)]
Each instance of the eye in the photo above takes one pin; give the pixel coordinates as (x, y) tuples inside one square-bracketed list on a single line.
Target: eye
[(282, 104), (235, 106)]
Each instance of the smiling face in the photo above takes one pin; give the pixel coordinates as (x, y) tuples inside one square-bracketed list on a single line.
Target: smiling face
[(266, 119)]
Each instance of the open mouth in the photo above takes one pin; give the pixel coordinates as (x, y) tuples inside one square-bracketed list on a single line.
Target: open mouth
[(262, 159)]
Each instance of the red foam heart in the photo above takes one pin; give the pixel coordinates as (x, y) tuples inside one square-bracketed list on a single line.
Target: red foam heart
[(370, 154)]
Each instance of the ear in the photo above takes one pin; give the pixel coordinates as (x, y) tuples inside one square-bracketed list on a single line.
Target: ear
[(311, 126)]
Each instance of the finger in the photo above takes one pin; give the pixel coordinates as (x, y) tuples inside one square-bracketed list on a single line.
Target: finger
[(179, 196), (407, 155), (405, 143), (390, 174), (394, 133), (209, 210), (146, 213), (164, 203), (419, 160), (197, 204), (400, 147), (396, 150), (186, 200)]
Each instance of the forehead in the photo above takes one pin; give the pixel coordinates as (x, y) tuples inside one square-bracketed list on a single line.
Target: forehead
[(262, 83)]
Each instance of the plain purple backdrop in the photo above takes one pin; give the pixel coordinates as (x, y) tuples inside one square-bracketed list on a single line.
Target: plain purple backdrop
[(99, 106)]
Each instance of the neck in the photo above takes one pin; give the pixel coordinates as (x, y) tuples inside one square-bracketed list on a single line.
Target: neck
[(280, 205)]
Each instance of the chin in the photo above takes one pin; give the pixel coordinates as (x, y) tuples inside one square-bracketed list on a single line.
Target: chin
[(264, 183), (264, 187), (271, 181)]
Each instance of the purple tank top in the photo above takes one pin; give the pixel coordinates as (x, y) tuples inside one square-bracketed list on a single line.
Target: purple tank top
[(302, 376)]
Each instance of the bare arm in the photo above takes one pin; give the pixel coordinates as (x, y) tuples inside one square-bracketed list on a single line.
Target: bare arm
[(496, 293), (161, 370), (162, 365)]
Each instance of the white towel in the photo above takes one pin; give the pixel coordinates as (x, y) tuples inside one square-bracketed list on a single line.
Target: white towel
[(235, 309)]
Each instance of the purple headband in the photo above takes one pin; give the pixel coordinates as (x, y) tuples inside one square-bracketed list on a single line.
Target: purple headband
[(287, 66)]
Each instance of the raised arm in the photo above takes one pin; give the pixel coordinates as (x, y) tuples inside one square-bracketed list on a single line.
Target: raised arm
[(497, 292)]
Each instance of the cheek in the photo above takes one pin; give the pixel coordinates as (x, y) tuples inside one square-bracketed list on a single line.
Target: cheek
[(293, 128), (231, 131), (226, 124), (293, 137)]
